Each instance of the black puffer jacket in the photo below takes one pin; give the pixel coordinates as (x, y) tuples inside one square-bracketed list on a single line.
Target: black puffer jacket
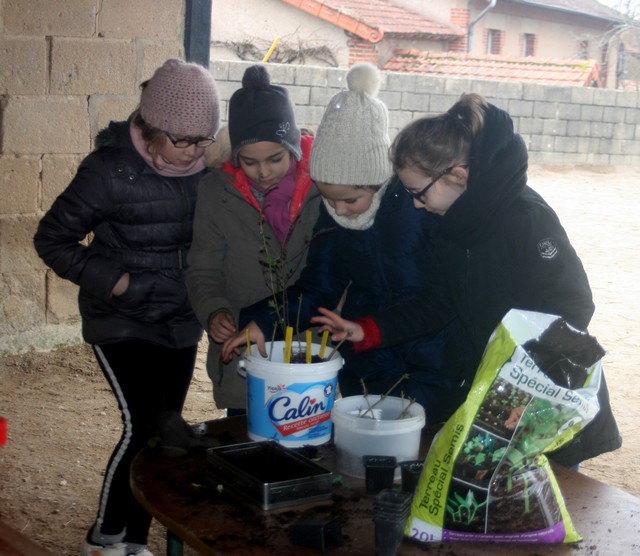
[(140, 223)]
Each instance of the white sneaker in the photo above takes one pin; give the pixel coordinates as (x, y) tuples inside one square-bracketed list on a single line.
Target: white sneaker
[(141, 552), (119, 549)]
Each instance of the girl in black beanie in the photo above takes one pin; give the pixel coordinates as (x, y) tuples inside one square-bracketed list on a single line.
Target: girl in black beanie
[(258, 194)]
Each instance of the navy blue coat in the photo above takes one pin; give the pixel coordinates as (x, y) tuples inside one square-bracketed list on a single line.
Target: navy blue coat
[(384, 265)]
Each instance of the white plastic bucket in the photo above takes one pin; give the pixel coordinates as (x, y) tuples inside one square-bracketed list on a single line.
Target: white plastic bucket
[(386, 435), (289, 402)]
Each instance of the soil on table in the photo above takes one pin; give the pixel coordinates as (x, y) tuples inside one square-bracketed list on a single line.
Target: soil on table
[(63, 420)]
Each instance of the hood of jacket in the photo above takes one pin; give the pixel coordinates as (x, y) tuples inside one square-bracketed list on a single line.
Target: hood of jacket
[(116, 134), (497, 176), (238, 180)]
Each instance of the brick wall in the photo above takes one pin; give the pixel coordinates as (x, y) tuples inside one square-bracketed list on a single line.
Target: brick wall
[(71, 75), (361, 50), (460, 18)]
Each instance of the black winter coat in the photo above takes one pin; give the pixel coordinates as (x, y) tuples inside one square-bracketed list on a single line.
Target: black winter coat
[(140, 222), (384, 265), (502, 247)]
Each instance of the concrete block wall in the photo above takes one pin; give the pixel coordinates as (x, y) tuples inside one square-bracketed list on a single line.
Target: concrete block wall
[(67, 68), (560, 125), (70, 66)]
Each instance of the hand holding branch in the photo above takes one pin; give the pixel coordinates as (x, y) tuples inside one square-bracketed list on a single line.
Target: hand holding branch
[(339, 328), (222, 327), (232, 345)]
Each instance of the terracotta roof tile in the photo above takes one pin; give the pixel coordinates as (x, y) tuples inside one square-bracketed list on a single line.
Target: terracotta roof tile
[(386, 16), (578, 73)]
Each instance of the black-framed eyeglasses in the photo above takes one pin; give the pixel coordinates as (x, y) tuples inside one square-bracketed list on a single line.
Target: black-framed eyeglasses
[(185, 142), (419, 195)]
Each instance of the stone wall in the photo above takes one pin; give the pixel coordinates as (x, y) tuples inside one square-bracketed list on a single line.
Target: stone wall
[(67, 68), (70, 66), (561, 125)]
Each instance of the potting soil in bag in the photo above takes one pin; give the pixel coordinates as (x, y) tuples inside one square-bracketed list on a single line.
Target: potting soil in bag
[(486, 478)]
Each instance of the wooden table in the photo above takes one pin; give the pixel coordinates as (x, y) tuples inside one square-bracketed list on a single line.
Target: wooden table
[(178, 492)]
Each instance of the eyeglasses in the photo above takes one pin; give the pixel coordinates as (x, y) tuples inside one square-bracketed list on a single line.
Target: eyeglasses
[(188, 141), (419, 195)]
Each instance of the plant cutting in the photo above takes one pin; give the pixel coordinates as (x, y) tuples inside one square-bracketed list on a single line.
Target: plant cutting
[(277, 279), (369, 412), (290, 393)]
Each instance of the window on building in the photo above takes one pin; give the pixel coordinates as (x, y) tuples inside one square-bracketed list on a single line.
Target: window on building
[(494, 41), (528, 44), (583, 50)]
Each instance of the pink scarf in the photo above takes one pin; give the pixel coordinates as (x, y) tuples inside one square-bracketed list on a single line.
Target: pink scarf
[(156, 162), (275, 205)]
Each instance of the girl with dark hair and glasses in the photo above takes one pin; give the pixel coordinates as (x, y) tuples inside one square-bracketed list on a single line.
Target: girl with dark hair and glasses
[(499, 246), (136, 194)]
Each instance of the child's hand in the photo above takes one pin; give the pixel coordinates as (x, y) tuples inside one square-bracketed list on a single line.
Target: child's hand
[(121, 285), (232, 345), (339, 328), (222, 327)]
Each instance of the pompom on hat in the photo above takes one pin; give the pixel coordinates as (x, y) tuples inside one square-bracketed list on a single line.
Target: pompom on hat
[(181, 99), (351, 145), (260, 111)]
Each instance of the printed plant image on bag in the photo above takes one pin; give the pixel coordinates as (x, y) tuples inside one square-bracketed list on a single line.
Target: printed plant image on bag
[(486, 477)]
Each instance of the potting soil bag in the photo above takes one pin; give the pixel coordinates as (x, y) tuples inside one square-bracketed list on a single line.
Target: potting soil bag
[(486, 478)]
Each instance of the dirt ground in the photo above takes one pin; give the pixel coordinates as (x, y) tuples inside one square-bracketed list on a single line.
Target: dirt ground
[(63, 420)]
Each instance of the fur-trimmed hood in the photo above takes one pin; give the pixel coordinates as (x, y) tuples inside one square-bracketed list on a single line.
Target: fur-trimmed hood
[(219, 152)]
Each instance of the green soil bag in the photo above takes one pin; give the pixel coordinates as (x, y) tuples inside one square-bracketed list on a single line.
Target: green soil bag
[(486, 477)]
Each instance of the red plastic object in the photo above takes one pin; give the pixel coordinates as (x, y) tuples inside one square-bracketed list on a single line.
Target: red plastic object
[(3, 431)]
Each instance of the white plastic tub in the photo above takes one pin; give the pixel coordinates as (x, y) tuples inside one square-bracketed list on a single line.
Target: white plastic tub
[(289, 402), (386, 435)]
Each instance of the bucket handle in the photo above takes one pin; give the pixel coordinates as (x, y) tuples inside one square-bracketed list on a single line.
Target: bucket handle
[(240, 369)]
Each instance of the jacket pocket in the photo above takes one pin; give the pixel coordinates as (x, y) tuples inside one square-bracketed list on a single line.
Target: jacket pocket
[(135, 301)]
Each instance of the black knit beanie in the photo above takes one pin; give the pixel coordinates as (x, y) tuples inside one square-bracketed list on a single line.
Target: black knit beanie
[(261, 111)]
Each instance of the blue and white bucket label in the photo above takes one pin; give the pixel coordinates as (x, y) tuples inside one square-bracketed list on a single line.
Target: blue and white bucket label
[(294, 414)]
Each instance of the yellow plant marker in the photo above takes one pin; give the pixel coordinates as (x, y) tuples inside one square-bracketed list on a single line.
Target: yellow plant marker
[(308, 352), (271, 49), (246, 330), (323, 343), (288, 340)]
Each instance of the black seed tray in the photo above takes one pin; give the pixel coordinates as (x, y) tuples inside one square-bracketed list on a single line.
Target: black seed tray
[(269, 474)]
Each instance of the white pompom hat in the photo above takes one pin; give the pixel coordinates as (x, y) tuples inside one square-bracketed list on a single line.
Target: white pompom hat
[(351, 145)]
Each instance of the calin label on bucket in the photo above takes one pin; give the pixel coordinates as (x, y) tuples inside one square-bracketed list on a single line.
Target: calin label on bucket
[(293, 414)]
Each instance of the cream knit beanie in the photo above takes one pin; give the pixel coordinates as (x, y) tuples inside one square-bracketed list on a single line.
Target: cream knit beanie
[(351, 145)]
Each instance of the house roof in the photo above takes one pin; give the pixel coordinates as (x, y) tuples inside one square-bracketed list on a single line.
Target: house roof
[(372, 19), (591, 8), (577, 73)]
